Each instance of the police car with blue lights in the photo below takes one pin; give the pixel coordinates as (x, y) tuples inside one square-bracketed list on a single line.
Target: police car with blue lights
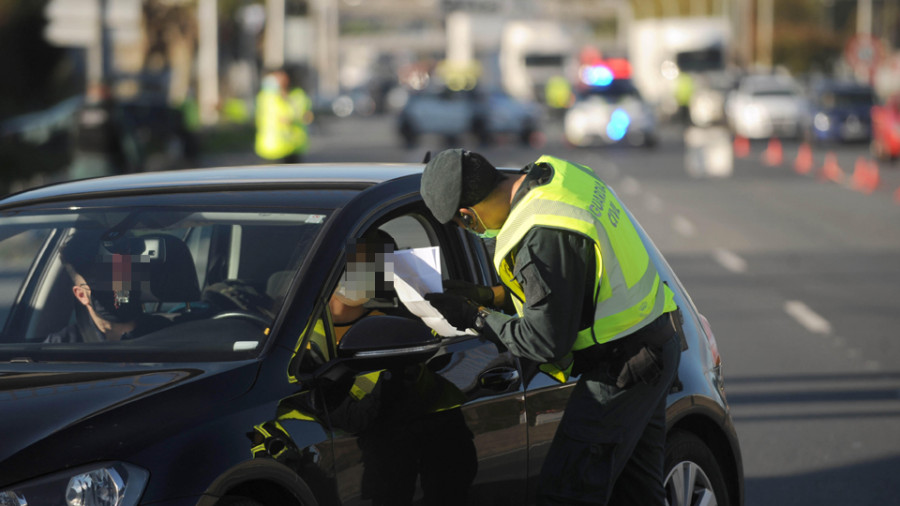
[(609, 109)]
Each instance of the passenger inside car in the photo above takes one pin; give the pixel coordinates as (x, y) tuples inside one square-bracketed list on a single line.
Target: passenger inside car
[(107, 288)]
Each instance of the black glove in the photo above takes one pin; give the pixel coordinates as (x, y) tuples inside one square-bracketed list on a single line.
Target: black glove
[(482, 295), (646, 366), (458, 310)]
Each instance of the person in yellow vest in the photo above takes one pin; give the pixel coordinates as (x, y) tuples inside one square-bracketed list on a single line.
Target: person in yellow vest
[(280, 137), (589, 303), (558, 95), (407, 418)]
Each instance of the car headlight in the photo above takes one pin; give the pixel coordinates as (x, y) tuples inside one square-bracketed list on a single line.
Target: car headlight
[(753, 115), (113, 484)]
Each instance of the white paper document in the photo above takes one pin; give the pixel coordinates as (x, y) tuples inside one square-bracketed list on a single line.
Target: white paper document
[(417, 271)]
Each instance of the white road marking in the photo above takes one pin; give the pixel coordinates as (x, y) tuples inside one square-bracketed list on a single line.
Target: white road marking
[(730, 260), (807, 317), (684, 226)]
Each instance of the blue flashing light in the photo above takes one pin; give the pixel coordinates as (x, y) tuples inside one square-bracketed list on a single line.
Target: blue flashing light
[(618, 125), (597, 75)]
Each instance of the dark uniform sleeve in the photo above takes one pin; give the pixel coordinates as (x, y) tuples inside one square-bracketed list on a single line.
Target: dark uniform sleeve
[(556, 269)]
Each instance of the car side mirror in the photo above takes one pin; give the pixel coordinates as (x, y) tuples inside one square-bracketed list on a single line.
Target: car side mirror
[(388, 341)]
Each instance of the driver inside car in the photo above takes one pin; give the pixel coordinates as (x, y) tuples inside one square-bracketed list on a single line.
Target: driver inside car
[(365, 283), (107, 291)]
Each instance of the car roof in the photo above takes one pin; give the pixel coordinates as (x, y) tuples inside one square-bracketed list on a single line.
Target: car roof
[(357, 175)]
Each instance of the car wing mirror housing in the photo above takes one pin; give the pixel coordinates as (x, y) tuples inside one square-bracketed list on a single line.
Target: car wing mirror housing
[(381, 342)]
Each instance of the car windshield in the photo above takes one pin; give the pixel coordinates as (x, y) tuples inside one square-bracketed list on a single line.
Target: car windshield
[(125, 284), (775, 90), (849, 98)]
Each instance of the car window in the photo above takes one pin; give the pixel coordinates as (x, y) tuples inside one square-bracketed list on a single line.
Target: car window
[(16, 255), (183, 283), (320, 340)]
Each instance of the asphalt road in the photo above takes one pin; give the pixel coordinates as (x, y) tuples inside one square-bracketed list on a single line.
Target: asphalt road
[(799, 276)]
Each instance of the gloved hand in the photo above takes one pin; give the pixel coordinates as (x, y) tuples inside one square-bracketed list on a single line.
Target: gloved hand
[(458, 310), (480, 294), (646, 366)]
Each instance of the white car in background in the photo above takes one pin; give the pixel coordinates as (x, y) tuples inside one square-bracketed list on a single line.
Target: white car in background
[(610, 114), (766, 105)]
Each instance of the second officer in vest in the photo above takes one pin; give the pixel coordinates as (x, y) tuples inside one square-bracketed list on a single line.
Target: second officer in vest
[(590, 302)]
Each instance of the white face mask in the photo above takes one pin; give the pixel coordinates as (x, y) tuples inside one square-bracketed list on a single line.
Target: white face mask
[(489, 233), (350, 296)]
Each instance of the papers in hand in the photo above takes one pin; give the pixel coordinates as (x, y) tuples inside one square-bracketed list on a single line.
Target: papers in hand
[(417, 271)]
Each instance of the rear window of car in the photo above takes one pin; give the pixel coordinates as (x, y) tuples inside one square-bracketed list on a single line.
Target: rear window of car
[(183, 283)]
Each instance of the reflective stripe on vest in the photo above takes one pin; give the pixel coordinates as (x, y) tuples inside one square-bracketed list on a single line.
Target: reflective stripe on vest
[(627, 287)]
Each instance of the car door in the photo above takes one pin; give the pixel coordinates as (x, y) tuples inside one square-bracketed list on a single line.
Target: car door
[(545, 398), (448, 430)]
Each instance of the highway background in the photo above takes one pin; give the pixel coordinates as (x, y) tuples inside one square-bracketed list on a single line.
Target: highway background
[(798, 276)]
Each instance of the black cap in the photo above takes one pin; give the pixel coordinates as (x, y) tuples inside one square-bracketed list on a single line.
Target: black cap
[(442, 185)]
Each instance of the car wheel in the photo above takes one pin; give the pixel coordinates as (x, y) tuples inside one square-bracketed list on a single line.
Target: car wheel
[(408, 133), (526, 134), (237, 501), (693, 477)]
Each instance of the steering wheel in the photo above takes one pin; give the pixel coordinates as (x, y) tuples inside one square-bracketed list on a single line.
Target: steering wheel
[(244, 315)]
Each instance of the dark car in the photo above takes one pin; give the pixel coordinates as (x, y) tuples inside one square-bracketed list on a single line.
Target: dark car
[(240, 393), (841, 111), (482, 114)]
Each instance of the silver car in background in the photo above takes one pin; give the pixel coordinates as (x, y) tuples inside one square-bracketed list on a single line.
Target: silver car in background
[(766, 105)]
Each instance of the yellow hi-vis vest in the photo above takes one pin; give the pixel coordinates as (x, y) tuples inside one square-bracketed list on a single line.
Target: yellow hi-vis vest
[(277, 132), (628, 293)]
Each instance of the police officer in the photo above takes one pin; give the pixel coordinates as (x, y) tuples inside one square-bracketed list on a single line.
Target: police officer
[(590, 303), (279, 134)]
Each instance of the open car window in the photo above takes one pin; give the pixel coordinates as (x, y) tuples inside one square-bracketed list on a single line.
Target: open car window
[(405, 230), (173, 283)]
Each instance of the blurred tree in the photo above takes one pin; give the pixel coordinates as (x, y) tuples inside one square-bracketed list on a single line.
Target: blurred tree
[(36, 74), (803, 40), (171, 43)]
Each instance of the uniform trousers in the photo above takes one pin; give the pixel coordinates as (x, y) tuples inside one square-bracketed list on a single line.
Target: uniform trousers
[(609, 448)]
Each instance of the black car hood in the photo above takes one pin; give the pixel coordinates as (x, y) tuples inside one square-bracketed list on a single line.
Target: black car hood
[(53, 417)]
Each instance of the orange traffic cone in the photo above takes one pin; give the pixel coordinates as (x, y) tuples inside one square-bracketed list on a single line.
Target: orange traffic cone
[(831, 171), (865, 175), (861, 174), (774, 154), (874, 176), (741, 146), (804, 162)]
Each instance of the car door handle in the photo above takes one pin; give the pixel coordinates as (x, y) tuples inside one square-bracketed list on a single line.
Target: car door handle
[(499, 379)]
